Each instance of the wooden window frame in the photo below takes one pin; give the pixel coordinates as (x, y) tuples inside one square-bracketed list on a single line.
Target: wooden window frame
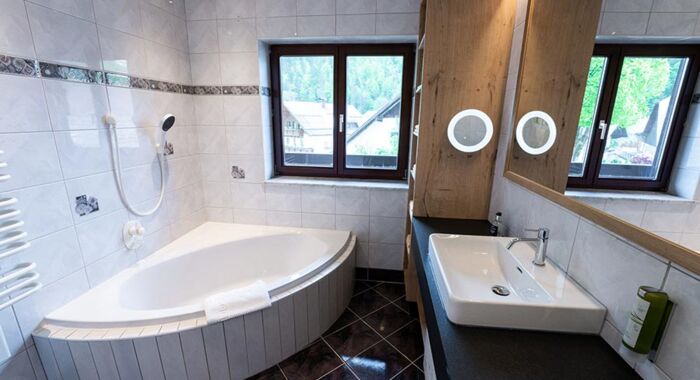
[(339, 53), (615, 53)]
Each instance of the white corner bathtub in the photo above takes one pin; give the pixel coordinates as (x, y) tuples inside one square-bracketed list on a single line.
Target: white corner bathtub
[(155, 306)]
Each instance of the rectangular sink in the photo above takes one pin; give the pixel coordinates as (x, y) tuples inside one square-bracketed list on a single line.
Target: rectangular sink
[(481, 283)]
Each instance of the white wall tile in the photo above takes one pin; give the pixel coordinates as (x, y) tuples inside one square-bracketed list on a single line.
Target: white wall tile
[(32, 159), (244, 140), (318, 199), (386, 256), (628, 5), (398, 6), (217, 194), (164, 62), (385, 202), (108, 266), (123, 15), (351, 201), (323, 221), (22, 105), (315, 7), (164, 28), (623, 23), (676, 6), (397, 24), (74, 106), (249, 216), (15, 37), (206, 69), (316, 26), (562, 225), (276, 27), (101, 236), (386, 230), (212, 140), (45, 208), (235, 9), (237, 35), (665, 216), (248, 196), (65, 39), (11, 331), (203, 36), (56, 255), (209, 110), (100, 186), (283, 218), (344, 7), (672, 24), (77, 8), (223, 215), (356, 223), (252, 165), (677, 352), (242, 110), (355, 25), (83, 152), (629, 210), (282, 197), (612, 270), (200, 9), (240, 69), (275, 8)]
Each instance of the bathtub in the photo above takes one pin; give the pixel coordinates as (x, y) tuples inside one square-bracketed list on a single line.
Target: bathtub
[(153, 309)]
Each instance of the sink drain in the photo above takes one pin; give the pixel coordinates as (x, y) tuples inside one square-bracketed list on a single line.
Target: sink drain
[(500, 290)]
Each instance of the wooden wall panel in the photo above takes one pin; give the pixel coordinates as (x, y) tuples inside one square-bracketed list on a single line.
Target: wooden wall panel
[(467, 47), (557, 48)]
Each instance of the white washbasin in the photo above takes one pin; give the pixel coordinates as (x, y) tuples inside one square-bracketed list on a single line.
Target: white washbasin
[(467, 268)]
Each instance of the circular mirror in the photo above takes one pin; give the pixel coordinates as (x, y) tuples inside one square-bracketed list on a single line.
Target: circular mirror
[(470, 131), (536, 132)]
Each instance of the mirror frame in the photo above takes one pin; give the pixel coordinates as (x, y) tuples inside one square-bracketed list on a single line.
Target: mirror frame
[(521, 139), (460, 116), (542, 21)]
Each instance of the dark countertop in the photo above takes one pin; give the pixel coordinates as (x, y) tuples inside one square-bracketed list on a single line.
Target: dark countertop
[(465, 352)]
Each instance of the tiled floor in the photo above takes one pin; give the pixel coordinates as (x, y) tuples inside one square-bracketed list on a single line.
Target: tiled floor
[(375, 338)]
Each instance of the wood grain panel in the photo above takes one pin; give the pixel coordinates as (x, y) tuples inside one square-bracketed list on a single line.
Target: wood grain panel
[(467, 45), (557, 49)]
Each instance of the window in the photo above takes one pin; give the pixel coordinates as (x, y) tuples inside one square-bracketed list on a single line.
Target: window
[(634, 106), (342, 110)]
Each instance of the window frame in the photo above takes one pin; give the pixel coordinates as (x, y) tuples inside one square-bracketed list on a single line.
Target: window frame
[(339, 53), (615, 54)]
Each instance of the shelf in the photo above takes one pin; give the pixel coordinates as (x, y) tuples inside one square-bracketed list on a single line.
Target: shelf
[(410, 209), (421, 45), (413, 172), (415, 130), (419, 88)]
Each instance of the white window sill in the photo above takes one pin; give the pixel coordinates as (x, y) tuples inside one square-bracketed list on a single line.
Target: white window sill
[(340, 182), (624, 195)]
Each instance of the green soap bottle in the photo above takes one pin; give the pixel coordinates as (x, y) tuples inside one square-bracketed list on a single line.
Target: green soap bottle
[(645, 319)]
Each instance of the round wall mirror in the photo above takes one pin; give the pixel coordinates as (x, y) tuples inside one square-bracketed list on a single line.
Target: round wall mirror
[(470, 131), (536, 132)]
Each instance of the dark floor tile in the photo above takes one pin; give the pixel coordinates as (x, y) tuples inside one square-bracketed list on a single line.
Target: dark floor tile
[(380, 362), (341, 373), (360, 286), (367, 302), (384, 275), (408, 340), (272, 373), (352, 340), (419, 363), (345, 319), (403, 304), (388, 319), (410, 373), (311, 363), (391, 291)]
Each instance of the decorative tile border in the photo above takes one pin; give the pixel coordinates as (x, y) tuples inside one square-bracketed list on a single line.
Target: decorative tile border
[(35, 68)]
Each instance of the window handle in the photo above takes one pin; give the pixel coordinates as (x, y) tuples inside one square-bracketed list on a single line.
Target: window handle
[(603, 126), (341, 122)]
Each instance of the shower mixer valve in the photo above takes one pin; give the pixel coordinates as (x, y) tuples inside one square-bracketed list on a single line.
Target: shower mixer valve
[(133, 234)]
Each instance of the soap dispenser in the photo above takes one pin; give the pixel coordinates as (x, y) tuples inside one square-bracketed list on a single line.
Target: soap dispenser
[(647, 320), (497, 226)]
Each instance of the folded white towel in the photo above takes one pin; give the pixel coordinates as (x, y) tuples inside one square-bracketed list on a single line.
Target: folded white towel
[(233, 303)]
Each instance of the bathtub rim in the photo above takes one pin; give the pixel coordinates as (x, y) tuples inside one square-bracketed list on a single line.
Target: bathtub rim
[(67, 332)]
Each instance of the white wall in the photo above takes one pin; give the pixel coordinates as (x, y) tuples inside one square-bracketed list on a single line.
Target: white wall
[(607, 266), (227, 47), (58, 149)]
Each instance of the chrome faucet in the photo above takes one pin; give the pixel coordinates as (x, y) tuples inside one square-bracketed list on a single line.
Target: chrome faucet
[(542, 239)]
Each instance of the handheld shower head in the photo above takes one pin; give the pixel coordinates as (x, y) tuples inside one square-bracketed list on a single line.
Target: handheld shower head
[(167, 122)]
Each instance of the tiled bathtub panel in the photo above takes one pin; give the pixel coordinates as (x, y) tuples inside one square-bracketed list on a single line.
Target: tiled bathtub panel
[(287, 334), (84, 363), (47, 357), (215, 347), (235, 349), (255, 342), (234, 330), (301, 322), (125, 357), (272, 333), (194, 354), (104, 360)]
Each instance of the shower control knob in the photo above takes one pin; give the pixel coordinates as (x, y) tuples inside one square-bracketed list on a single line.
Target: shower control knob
[(133, 234)]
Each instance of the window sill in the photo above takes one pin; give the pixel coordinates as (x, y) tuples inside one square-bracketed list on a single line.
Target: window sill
[(339, 182), (624, 195)]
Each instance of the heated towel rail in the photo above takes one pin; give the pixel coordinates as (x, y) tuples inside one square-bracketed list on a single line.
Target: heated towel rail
[(17, 279)]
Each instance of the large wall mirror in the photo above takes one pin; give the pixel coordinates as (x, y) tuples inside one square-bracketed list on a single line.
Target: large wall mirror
[(628, 131)]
